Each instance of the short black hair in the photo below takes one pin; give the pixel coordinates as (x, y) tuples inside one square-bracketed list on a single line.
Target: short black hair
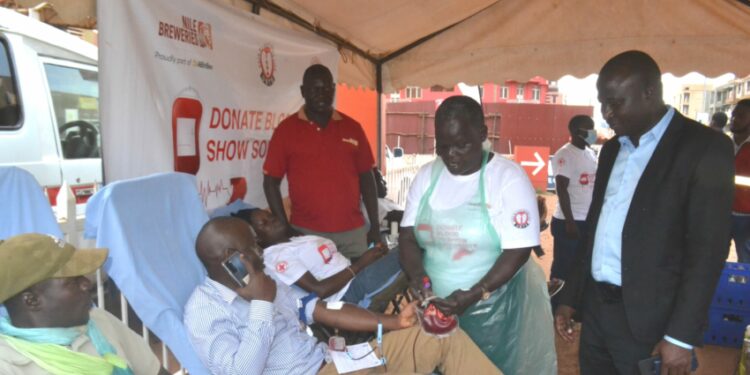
[(461, 108), (577, 121), (316, 70), (245, 214), (720, 118), (636, 62), (743, 103)]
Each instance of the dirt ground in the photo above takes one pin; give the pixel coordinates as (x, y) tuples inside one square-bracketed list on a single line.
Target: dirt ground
[(712, 360)]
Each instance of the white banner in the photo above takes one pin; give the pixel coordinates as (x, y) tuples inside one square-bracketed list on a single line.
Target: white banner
[(197, 86)]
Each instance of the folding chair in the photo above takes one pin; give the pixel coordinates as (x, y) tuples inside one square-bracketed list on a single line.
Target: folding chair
[(150, 225), (23, 207)]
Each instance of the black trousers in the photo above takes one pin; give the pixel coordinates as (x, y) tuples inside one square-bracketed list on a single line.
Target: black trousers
[(607, 345)]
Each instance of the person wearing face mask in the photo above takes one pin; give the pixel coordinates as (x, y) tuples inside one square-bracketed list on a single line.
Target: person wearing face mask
[(574, 168)]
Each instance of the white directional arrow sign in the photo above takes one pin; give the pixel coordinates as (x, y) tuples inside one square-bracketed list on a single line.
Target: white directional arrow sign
[(539, 163)]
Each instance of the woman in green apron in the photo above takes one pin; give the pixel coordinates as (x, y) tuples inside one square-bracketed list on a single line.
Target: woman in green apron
[(470, 222)]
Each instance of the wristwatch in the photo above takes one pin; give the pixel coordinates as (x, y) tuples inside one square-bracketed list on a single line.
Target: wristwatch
[(485, 293)]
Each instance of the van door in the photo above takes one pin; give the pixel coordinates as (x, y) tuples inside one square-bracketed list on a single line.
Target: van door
[(26, 141), (74, 93)]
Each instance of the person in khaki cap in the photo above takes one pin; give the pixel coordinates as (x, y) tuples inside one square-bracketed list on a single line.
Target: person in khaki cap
[(51, 327)]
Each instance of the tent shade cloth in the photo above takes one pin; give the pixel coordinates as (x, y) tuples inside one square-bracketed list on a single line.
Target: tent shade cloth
[(477, 41), (517, 39)]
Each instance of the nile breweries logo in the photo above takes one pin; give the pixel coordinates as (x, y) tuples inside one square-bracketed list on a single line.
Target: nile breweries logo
[(191, 31), (266, 64)]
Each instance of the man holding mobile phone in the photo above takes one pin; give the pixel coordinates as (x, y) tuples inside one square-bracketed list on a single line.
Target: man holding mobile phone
[(258, 328)]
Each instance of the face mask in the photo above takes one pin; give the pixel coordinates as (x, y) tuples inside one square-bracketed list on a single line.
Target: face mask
[(590, 136)]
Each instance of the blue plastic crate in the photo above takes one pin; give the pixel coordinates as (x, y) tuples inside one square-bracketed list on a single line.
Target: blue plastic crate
[(726, 327), (733, 290)]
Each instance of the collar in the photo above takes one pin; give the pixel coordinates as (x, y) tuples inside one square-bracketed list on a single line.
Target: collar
[(335, 116), (655, 133), (226, 294)]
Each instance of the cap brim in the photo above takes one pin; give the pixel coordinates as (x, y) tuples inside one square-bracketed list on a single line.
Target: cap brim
[(83, 262)]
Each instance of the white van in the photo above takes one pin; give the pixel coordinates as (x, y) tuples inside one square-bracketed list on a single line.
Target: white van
[(49, 105)]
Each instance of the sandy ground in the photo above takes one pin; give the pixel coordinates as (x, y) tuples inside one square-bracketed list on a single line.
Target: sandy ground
[(713, 360)]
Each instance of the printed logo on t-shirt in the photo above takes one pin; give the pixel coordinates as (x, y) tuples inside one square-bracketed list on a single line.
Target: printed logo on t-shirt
[(521, 219), (325, 253), (561, 161), (584, 179), (282, 266)]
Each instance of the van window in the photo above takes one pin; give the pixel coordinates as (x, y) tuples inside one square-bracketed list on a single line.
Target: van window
[(75, 98), (10, 110)]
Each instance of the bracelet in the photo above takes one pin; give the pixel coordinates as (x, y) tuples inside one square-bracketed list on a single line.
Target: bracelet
[(354, 274)]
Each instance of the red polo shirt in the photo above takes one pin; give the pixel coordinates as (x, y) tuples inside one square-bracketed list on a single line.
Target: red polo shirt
[(323, 167), (742, 168)]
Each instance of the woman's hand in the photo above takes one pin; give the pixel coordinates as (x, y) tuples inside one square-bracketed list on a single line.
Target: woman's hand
[(420, 289), (457, 302)]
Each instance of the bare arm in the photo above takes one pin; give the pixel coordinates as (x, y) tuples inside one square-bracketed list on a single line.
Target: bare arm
[(370, 198), (330, 285), (561, 185), (272, 190), (354, 318), (410, 256)]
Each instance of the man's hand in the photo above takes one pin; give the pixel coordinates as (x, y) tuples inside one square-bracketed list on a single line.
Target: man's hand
[(408, 316), (564, 322), (260, 287), (571, 230), (373, 236), (675, 360), (456, 303), (371, 255)]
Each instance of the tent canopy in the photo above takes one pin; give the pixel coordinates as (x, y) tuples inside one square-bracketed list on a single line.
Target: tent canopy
[(441, 42), (429, 42)]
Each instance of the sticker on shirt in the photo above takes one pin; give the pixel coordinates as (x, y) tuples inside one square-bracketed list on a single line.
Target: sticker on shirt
[(325, 253), (282, 266), (521, 219), (351, 140)]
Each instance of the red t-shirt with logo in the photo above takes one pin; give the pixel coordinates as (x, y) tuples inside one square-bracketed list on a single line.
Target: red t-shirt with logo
[(322, 166), (742, 168)]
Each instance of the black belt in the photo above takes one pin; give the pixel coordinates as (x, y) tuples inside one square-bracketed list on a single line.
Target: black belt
[(608, 293)]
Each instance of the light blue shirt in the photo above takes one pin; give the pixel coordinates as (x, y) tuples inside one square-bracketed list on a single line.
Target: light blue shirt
[(631, 161), (234, 336), (627, 171)]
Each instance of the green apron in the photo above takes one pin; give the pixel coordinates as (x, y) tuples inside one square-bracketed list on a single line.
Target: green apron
[(514, 326)]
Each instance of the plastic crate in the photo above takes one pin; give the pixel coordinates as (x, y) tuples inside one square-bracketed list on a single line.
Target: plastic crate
[(726, 327), (733, 290)]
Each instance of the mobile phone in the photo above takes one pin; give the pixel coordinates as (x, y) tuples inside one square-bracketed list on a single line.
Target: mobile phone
[(652, 366), (236, 268)]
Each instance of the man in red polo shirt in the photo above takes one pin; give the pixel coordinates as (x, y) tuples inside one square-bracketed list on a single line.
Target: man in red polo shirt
[(740, 127), (326, 158)]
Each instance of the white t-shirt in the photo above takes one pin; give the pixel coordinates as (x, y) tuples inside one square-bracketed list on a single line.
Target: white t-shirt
[(288, 261), (579, 166), (511, 199)]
